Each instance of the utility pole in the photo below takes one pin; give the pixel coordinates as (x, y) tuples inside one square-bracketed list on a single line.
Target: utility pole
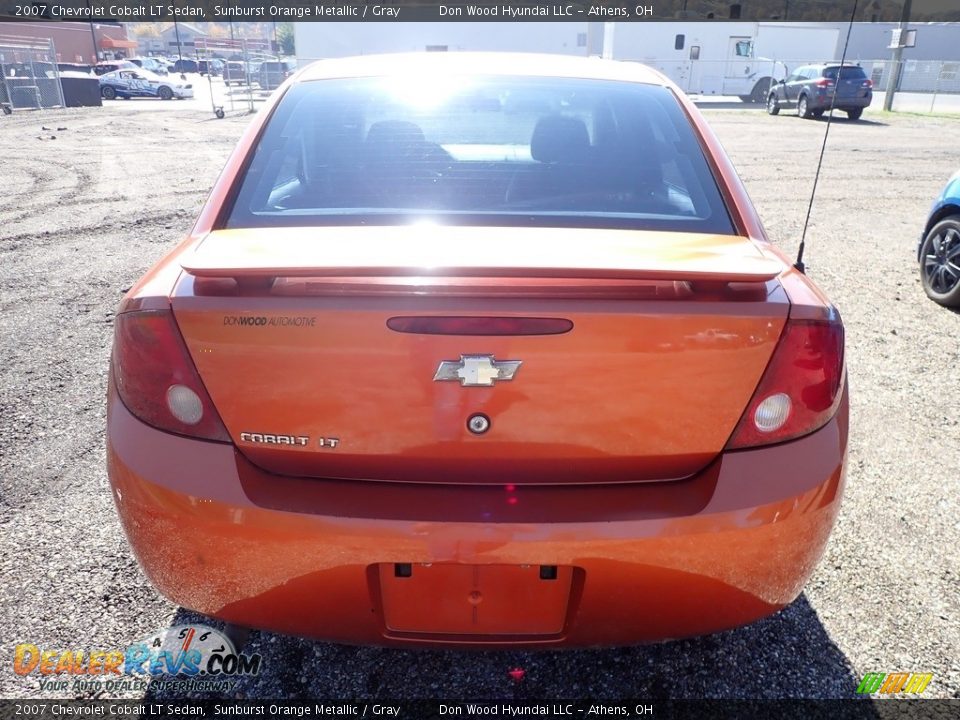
[(176, 30), (93, 35), (897, 59)]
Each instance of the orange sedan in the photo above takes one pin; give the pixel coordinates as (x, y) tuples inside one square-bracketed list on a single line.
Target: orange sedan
[(478, 350)]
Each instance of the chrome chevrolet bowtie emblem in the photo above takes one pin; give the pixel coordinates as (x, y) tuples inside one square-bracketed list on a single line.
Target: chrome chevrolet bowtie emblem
[(477, 370)]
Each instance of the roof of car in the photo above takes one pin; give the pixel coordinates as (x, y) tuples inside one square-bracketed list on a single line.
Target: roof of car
[(832, 64), (455, 63)]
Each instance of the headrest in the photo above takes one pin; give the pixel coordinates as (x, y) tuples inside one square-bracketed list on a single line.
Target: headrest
[(395, 132), (557, 138)]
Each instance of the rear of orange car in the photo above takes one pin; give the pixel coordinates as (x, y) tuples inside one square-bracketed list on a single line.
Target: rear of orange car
[(479, 351)]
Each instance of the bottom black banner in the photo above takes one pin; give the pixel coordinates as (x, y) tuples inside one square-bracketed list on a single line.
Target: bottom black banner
[(435, 709)]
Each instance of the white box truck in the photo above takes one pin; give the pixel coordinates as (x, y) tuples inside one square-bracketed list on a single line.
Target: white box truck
[(722, 58)]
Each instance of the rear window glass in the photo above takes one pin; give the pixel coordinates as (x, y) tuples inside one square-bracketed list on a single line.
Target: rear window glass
[(501, 150), (847, 73)]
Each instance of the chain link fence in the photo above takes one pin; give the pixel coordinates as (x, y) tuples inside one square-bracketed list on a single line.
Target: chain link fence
[(235, 81), (921, 85), (30, 76)]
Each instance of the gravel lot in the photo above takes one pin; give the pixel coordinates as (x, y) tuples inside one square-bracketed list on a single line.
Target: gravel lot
[(86, 213)]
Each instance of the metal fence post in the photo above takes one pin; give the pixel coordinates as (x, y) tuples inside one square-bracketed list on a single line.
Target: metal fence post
[(936, 87)]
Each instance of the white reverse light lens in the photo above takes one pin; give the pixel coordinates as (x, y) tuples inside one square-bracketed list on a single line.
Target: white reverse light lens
[(772, 413), (185, 404)]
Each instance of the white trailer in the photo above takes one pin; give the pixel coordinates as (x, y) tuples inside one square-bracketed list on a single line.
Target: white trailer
[(722, 58)]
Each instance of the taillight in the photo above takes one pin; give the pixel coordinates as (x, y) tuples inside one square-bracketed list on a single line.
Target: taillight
[(824, 82), (157, 380), (447, 325), (867, 84), (801, 387)]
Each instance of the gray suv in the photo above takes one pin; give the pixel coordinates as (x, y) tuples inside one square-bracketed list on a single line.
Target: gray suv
[(809, 89)]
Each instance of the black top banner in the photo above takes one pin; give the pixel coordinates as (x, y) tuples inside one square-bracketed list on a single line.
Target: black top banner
[(480, 10)]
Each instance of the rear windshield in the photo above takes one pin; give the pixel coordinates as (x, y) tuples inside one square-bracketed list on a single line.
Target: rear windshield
[(501, 150), (847, 73)]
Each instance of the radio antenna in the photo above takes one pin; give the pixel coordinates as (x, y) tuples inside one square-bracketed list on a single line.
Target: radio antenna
[(806, 223)]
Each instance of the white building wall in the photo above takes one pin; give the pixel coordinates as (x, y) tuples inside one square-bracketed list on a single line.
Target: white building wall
[(869, 41), (315, 40)]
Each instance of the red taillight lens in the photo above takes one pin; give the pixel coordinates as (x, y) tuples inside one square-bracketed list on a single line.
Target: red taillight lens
[(824, 82), (156, 378), (800, 390), (867, 84)]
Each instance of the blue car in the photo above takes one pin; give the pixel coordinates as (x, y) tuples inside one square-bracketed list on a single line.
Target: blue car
[(939, 250)]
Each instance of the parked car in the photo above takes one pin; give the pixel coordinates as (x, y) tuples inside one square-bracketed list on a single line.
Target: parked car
[(76, 68), (185, 65), (151, 64), (212, 67), (425, 372), (236, 72), (108, 66), (810, 90), (938, 251), (272, 73), (127, 84), (38, 69)]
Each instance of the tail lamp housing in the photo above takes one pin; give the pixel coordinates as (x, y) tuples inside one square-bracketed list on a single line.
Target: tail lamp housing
[(157, 380), (801, 388)]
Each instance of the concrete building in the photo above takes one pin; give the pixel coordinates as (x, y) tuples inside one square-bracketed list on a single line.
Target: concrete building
[(316, 40), (188, 35)]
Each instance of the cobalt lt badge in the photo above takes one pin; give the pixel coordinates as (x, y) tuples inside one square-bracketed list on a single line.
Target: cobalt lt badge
[(477, 370)]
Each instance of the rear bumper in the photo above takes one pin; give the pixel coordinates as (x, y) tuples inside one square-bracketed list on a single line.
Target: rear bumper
[(652, 561), (821, 101)]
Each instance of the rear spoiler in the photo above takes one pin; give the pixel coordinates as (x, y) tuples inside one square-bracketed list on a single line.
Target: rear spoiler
[(479, 252)]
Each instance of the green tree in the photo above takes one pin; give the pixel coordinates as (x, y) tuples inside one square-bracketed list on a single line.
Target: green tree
[(285, 38)]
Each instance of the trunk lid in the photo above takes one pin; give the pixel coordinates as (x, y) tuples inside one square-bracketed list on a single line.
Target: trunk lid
[(666, 338)]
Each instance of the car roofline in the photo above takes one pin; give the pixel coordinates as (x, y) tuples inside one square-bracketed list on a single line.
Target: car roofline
[(482, 63)]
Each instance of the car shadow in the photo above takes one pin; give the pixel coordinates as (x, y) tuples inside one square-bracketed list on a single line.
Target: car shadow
[(725, 105), (788, 655), (840, 117)]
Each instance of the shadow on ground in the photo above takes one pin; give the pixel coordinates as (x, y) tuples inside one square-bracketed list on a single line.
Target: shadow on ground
[(786, 655)]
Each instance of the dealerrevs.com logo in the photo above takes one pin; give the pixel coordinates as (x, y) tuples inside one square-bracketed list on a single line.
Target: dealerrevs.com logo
[(190, 657), (891, 683)]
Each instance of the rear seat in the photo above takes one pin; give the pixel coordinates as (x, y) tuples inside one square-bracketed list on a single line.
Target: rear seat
[(400, 159), (560, 145)]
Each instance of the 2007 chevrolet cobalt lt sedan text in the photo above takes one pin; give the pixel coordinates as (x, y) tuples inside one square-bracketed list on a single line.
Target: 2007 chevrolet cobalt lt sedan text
[(478, 350)]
